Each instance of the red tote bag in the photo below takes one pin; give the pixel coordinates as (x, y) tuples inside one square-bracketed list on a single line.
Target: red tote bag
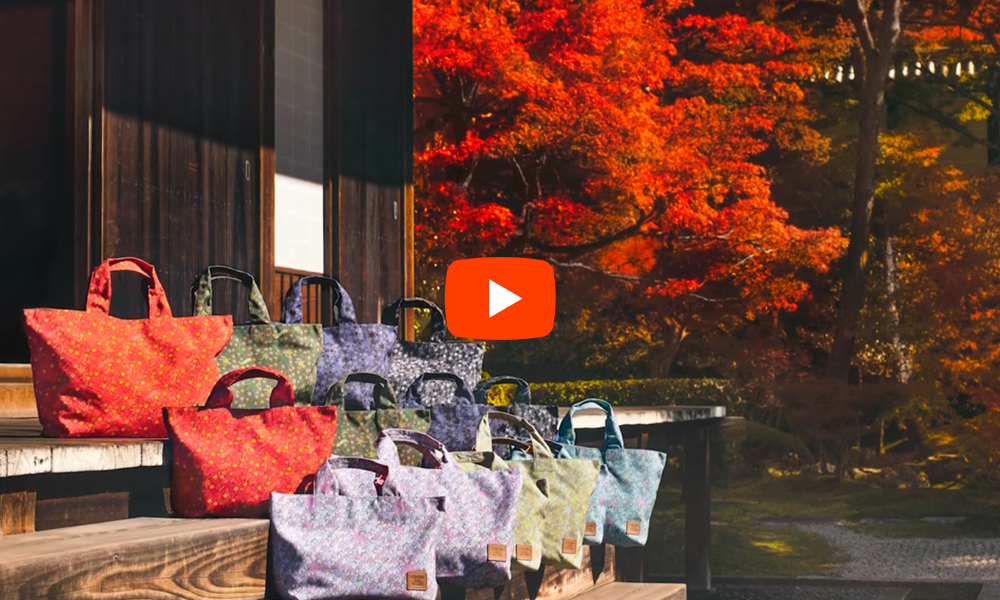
[(99, 376), (228, 461)]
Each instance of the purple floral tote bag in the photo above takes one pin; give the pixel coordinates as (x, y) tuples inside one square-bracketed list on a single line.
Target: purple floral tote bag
[(348, 347), (409, 360), (626, 490), (476, 540), (338, 547), (454, 423)]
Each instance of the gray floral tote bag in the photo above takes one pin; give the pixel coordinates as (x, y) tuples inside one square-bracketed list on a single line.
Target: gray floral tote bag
[(409, 360)]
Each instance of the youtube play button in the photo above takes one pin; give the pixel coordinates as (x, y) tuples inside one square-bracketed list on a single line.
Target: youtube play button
[(500, 298)]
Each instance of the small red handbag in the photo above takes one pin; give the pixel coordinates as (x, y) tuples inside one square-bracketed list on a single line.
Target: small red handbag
[(228, 461), (99, 376)]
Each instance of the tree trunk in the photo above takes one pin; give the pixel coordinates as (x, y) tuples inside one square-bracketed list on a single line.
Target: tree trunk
[(668, 348), (878, 49), (993, 125)]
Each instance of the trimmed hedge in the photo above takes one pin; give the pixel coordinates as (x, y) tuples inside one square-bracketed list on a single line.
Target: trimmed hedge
[(630, 392)]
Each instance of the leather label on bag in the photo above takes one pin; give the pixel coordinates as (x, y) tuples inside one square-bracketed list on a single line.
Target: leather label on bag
[(590, 528), (496, 552), (523, 551), (633, 527), (416, 581), (569, 546)]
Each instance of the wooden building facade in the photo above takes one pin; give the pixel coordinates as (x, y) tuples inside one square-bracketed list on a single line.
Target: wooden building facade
[(274, 136)]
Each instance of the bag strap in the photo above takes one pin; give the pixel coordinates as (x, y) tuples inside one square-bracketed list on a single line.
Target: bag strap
[(522, 391), (484, 436), (99, 292), (612, 433), (392, 314), (516, 443), (222, 397), (380, 470), (433, 451), (201, 293), (383, 395), (343, 306), (412, 398)]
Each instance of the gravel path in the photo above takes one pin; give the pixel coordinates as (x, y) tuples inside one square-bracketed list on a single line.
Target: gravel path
[(876, 558)]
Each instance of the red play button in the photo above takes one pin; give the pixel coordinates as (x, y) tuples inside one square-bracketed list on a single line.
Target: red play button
[(500, 298)]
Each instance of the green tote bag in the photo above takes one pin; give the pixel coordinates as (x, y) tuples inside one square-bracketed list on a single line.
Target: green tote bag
[(293, 350), (569, 483), (530, 524), (358, 430)]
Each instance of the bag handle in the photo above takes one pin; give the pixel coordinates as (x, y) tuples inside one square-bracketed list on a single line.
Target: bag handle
[(433, 451), (99, 292), (519, 444), (412, 398), (383, 395), (343, 306), (201, 293), (612, 433), (522, 391), (484, 436), (391, 315), (380, 470), (281, 395)]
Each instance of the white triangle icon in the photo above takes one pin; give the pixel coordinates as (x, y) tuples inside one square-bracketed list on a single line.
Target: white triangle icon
[(501, 298)]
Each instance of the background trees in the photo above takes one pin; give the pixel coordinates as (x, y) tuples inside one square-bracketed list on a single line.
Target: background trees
[(695, 170)]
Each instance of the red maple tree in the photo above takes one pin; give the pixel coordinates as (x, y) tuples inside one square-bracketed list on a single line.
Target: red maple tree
[(622, 137)]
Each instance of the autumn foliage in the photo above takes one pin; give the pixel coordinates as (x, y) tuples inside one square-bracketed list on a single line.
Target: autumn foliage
[(618, 137)]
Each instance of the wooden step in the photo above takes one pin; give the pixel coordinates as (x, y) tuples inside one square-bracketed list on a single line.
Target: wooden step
[(138, 559), (48, 483), (619, 590), (17, 395)]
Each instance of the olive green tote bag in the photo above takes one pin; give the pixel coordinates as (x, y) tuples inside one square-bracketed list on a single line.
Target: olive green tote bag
[(568, 484)]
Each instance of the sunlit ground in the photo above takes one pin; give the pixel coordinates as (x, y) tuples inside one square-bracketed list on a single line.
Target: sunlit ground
[(746, 541)]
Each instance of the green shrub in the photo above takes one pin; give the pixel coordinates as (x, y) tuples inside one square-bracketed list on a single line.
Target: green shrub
[(631, 392)]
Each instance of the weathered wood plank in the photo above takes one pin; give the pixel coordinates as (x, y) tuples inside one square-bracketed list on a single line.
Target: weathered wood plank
[(15, 373), (636, 591), (33, 455), (25, 457), (138, 559), (17, 513), (17, 400)]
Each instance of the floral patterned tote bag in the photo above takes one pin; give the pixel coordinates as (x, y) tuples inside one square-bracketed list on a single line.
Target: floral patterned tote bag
[(291, 349), (476, 540), (630, 478), (333, 547), (348, 346), (409, 360)]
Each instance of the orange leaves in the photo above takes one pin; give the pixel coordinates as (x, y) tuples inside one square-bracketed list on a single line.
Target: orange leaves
[(616, 133)]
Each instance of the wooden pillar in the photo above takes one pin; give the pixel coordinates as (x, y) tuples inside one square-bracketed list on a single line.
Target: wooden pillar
[(697, 510)]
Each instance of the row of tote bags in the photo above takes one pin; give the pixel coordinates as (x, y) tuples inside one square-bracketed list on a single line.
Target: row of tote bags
[(540, 507), (98, 376)]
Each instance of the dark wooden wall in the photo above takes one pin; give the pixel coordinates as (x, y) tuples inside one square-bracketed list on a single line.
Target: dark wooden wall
[(370, 144), (36, 203), (182, 91)]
